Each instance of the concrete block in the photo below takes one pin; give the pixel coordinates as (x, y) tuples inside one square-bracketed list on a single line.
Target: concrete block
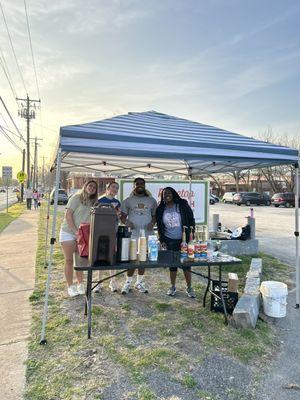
[(252, 274), (256, 265), (239, 247), (246, 312), (252, 286)]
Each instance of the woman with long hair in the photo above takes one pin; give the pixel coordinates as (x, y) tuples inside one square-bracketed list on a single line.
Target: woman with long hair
[(77, 212), (172, 214)]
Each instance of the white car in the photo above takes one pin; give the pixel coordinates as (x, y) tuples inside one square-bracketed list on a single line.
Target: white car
[(228, 197)]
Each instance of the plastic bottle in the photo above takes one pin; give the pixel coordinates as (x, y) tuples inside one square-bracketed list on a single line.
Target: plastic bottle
[(197, 250), (183, 247), (152, 248), (191, 246)]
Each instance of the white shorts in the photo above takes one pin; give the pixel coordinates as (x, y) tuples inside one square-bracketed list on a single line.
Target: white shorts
[(66, 236)]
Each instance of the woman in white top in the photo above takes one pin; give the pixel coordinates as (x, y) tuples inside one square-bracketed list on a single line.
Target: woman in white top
[(78, 212)]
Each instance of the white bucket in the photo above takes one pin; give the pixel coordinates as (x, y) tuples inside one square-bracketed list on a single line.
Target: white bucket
[(274, 296)]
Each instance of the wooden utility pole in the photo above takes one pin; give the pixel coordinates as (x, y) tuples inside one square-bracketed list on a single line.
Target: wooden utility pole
[(23, 167), (28, 113)]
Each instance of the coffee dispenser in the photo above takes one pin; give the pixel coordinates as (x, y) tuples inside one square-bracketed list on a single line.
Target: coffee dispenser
[(123, 243), (102, 245)]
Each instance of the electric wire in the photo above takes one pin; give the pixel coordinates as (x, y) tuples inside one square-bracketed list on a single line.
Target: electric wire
[(31, 49), (8, 128), (12, 46), (12, 120), (7, 74), (2, 130)]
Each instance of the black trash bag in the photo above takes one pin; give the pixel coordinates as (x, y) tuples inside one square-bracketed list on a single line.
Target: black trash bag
[(241, 233)]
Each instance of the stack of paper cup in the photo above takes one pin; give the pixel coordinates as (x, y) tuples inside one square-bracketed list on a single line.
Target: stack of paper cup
[(133, 250), (142, 248)]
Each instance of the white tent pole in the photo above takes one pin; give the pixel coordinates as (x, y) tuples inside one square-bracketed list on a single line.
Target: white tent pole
[(52, 243), (297, 234), (47, 229)]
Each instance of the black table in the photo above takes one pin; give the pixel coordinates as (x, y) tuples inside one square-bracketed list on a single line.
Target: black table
[(121, 268)]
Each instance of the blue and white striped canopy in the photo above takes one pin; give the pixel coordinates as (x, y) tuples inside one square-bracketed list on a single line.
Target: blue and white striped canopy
[(160, 144)]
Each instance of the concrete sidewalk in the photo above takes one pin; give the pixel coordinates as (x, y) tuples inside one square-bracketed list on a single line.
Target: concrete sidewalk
[(18, 244)]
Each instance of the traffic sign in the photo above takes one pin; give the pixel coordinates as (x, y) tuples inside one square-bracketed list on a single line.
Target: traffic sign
[(21, 176), (6, 172)]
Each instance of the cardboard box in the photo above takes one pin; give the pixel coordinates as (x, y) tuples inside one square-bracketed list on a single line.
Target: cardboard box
[(233, 281)]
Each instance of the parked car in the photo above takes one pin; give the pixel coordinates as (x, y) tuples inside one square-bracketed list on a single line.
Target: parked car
[(249, 198), (215, 198), (2, 190), (16, 190), (62, 196), (212, 200), (228, 197), (283, 199)]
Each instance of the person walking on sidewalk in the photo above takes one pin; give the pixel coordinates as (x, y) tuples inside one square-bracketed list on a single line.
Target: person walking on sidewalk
[(172, 214), (28, 196), (138, 212), (77, 212), (36, 199), (109, 197)]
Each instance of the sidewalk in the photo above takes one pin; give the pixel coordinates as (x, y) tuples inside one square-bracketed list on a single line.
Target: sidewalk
[(18, 243)]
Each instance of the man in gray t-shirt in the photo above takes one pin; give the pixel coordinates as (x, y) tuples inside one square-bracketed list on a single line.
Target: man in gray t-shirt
[(138, 212)]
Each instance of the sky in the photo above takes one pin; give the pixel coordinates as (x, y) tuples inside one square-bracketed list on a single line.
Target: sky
[(234, 64)]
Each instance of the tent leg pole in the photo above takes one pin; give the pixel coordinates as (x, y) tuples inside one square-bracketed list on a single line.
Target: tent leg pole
[(47, 230), (52, 243), (297, 233)]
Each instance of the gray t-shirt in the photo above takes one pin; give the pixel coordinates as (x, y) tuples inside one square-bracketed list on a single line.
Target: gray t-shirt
[(172, 222), (139, 211)]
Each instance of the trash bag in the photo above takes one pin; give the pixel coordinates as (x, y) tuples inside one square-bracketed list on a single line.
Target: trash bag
[(241, 233)]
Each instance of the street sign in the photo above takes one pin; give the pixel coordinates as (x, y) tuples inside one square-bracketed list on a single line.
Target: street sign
[(21, 176), (6, 172)]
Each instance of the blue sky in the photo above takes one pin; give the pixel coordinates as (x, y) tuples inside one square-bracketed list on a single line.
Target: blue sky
[(229, 63)]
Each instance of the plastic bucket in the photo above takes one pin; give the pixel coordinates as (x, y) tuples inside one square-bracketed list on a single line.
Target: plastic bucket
[(274, 296)]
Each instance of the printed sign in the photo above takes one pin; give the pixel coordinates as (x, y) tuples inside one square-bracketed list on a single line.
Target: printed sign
[(21, 176), (6, 172), (199, 194)]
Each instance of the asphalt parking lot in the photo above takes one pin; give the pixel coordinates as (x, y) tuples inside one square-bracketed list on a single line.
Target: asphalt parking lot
[(274, 227)]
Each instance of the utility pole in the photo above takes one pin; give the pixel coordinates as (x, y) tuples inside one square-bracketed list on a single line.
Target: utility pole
[(27, 113), (43, 174), (35, 163), (23, 167)]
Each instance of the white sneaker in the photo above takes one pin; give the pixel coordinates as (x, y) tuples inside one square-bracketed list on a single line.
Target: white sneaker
[(72, 291), (80, 288), (141, 287), (126, 288), (113, 286)]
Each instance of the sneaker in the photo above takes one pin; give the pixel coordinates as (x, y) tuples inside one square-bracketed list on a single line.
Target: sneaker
[(113, 286), (72, 291), (126, 288), (190, 292), (97, 289), (141, 287), (171, 291), (80, 288)]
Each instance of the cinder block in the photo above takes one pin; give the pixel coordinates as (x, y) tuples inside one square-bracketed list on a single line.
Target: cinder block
[(246, 312), (256, 265), (252, 286), (239, 247)]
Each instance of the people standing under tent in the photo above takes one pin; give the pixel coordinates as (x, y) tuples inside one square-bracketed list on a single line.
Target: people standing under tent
[(109, 197), (77, 212), (138, 212), (28, 196), (172, 214)]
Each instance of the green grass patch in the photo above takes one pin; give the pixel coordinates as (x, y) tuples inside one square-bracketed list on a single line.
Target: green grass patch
[(134, 335), (14, 212)]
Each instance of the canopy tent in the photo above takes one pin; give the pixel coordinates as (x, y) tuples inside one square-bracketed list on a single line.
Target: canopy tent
[(152, 143), (155, 143)]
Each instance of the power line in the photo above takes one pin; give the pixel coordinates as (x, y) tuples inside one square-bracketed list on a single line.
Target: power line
[(12, 46), (2, 130), (7, 74), (31, 49), (7, 127), (12, 120)]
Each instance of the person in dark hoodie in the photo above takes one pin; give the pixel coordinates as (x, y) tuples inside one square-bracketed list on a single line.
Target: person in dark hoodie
[(172, 214)]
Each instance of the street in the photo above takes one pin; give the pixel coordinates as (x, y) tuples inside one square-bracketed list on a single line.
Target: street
[(274, 227), (12, 198)]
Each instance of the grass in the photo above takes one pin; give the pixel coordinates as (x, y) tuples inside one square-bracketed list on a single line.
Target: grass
[(135, 336), (14, 212)]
